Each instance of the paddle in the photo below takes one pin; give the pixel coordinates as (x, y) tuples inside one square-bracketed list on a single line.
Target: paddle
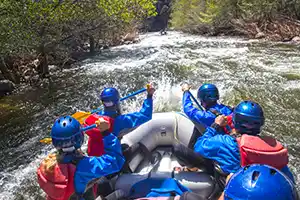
[(187, 87), (195, 100), (49, 140), (81, 115)]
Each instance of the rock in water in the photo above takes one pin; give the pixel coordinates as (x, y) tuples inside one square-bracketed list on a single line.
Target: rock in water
[(296, 39), (6, 87), (259, 35)]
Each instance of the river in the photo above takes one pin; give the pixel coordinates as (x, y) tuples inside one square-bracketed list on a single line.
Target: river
[(266, 72)]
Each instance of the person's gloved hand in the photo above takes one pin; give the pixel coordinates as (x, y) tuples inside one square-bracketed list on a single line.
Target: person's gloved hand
[(150, 90), (102, 124), (221, 120), (185, 87)]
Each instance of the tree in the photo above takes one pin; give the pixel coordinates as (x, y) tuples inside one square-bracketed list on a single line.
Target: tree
[(41, 26)]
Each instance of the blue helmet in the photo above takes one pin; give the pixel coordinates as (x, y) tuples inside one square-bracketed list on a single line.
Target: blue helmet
[(248, 117), (110, 95), (208, 93), (259, 182), (66, 134)]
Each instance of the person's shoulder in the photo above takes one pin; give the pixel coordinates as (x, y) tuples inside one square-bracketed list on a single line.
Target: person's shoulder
[(225, 107)]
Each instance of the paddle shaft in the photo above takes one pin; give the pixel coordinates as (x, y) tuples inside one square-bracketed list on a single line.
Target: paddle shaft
[(133, 94), (195, 100), (123, 98), (88, 127)]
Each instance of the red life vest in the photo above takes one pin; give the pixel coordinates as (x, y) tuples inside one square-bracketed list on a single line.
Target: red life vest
[(262, 150), (95, 142), (228, 129), (59, 183)]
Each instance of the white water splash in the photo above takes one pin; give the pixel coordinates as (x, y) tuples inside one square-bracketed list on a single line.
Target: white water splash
[(230, 63)]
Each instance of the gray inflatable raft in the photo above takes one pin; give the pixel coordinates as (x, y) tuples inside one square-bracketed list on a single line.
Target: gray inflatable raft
[(152, 157)]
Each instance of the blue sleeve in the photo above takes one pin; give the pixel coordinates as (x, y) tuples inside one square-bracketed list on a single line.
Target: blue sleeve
[(90, 168), (194, 114), (135, 119), (207, 145), (286, 170), (219, 147)]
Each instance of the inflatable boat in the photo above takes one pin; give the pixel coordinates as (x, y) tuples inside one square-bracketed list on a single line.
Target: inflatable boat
[(150, 154)]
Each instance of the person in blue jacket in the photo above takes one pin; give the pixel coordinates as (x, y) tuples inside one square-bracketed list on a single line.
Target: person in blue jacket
[(110, 98), (208, 94), (69, 172), (245, 146), (252, 182), (259, 182)]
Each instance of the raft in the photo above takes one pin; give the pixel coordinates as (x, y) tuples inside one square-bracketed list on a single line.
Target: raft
[(149, 153)]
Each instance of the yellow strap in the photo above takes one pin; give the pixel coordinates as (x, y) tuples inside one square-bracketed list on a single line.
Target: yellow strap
[(46, 140), (175, 127)]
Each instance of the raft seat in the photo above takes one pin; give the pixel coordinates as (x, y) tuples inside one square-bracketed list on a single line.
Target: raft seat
[(198, 182)]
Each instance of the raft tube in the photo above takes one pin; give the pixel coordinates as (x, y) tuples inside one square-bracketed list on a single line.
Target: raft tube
[(150, 156)]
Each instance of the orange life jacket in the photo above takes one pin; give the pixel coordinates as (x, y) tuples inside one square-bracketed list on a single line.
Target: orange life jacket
[(262, 150), (95, 142), (59, 183)]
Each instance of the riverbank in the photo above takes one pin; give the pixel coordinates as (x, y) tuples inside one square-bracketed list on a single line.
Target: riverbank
[(37, 35), (255, 19), (281, 29), (26, 68)]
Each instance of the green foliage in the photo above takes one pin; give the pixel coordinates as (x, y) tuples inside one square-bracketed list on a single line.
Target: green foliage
[(187, 13), (28, 24)]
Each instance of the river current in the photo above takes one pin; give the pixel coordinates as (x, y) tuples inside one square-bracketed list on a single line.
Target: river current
[(266, 72)]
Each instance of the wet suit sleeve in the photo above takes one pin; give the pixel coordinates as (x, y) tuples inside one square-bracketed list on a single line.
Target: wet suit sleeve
[(134, 119), (90, 168), (217, 146), (208, 145), (194, 114)]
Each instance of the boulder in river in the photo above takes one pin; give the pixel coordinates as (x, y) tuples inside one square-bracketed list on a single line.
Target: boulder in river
[(6, 87), (260, 35), (296, 39)]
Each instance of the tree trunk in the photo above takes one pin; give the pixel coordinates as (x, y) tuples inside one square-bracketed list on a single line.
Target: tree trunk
[(92, 45), (43, 67), (6, 73)]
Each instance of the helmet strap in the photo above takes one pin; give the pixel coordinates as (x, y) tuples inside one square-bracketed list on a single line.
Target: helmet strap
[(208, 104), (116, 109), (68, 149)]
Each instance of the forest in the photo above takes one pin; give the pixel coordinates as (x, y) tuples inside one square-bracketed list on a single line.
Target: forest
[(35, 34), (271, 19)]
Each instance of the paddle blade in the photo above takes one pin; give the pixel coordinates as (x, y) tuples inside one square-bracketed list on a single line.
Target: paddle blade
[(46, 140), (81, 116)]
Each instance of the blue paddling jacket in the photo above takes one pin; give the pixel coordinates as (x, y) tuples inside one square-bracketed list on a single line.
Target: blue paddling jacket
[(156, 187), (203, 117), (90, 168), (131, 120), (73, 171), (223, 148)]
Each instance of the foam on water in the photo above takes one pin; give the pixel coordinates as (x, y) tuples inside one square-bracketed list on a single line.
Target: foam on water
[(241, 69)]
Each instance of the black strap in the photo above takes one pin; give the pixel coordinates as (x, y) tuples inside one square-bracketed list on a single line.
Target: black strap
[(215, 112), (192, 196), (118, 194), (196, 134), (189, 158), (156, 164), (130, 152)]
